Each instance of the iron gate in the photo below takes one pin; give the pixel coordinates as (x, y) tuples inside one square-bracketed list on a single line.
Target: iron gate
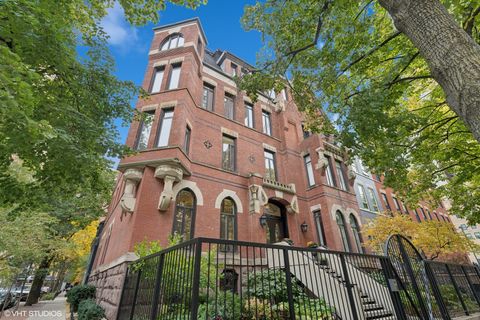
[(432, 290)]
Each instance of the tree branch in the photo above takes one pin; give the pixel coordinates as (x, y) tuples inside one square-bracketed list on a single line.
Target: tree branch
[(470, 22), (369, 52), (405, 67), (427, 76), (363, 9)]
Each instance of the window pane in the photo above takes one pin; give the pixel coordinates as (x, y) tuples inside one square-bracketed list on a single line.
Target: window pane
[(267, 127), (270, 165), (373, 199), (385, 199), (328, 173), (165, 128), (207, 99), (343, 231), (146, 128), (186, 142), (228, 153), (309, 168), (229, 107), (356, 233), (157, 81), (319, 226), (397, 205), (180, 41), (184, 214), (341, 177), (174, 77), (363, 197), (249, 115)]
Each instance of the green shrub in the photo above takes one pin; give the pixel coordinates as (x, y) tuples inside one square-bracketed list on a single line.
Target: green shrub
[(89, 310), (79, 293), (225, 306), (49, 296), (271, 284), (310, 309)]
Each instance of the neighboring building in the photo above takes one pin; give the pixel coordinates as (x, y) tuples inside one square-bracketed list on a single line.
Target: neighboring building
[(472, 232), (422, 212), (367, 196), (213, 163)]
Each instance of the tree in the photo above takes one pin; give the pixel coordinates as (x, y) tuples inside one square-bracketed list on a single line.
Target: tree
[(434, 238), (58, 109), (24, 238), (384, 96)]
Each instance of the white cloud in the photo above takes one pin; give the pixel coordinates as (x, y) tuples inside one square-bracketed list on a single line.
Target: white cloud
[(121, 33)]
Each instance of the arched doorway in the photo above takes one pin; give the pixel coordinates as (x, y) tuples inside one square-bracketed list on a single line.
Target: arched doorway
[(276, 221)]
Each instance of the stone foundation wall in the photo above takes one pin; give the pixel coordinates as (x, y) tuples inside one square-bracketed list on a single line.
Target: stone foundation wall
[(109, 283)]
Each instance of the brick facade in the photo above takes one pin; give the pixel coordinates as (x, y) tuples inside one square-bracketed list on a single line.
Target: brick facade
[(201, 169)]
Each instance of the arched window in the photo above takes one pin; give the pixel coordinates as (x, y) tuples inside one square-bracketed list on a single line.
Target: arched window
[(174, 41), (343, 231), (228, 222), (356, 233), (184, 220)]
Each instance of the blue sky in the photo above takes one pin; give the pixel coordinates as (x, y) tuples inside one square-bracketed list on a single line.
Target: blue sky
[(221, 23)]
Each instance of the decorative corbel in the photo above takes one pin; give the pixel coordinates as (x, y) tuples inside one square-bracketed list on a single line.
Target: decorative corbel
[(131, 177), (169, 174), (351, 173), (257, 198), (293, 207), (322, 161)]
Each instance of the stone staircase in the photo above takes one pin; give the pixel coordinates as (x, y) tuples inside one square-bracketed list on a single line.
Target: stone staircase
[(326, 280), (371, 308)]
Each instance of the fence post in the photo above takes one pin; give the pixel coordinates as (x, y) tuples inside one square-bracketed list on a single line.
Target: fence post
[(196, 277), (156, 292), (395, 295), (288, 277), (134, 301), (457, 290), (349, 287), (471, 286), (436, 291)]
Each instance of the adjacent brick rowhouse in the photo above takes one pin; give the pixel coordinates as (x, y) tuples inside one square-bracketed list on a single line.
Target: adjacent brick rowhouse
[(145, 199)]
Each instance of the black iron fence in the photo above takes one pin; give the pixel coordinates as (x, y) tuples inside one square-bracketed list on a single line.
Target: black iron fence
[(201, 279), (456, 287)]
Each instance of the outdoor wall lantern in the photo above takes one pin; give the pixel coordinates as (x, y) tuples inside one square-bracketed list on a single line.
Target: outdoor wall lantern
[(304, 227), (263, 220)]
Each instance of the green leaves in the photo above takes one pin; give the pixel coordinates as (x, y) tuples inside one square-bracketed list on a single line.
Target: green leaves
[(376, 88)]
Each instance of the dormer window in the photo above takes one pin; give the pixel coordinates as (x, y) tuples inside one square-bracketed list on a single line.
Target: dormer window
[(174, 41)]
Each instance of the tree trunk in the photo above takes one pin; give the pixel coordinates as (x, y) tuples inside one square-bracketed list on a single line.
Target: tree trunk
[(38, 279), (452, 55)]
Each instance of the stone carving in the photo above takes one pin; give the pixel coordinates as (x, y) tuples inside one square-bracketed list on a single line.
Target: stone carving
[(207, 144), (351, 173), (322, 161), (251, 158), (257, 198), (293, 207), (131, 177), (169, 174)]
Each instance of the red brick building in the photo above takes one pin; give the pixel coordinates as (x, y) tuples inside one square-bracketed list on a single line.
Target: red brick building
[(211, 162), (423, 212)]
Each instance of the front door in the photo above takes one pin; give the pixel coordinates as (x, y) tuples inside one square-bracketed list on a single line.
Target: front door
[(276, 225)]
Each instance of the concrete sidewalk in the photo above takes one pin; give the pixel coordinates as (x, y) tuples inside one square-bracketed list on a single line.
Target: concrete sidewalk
[(43, 310)]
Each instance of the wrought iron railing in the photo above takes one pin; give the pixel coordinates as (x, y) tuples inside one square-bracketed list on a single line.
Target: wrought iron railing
[(196, 280)]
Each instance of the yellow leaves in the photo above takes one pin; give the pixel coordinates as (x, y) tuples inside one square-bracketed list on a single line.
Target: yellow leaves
[(78, 246), (82, 239), (434, 238), (378, 230)]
